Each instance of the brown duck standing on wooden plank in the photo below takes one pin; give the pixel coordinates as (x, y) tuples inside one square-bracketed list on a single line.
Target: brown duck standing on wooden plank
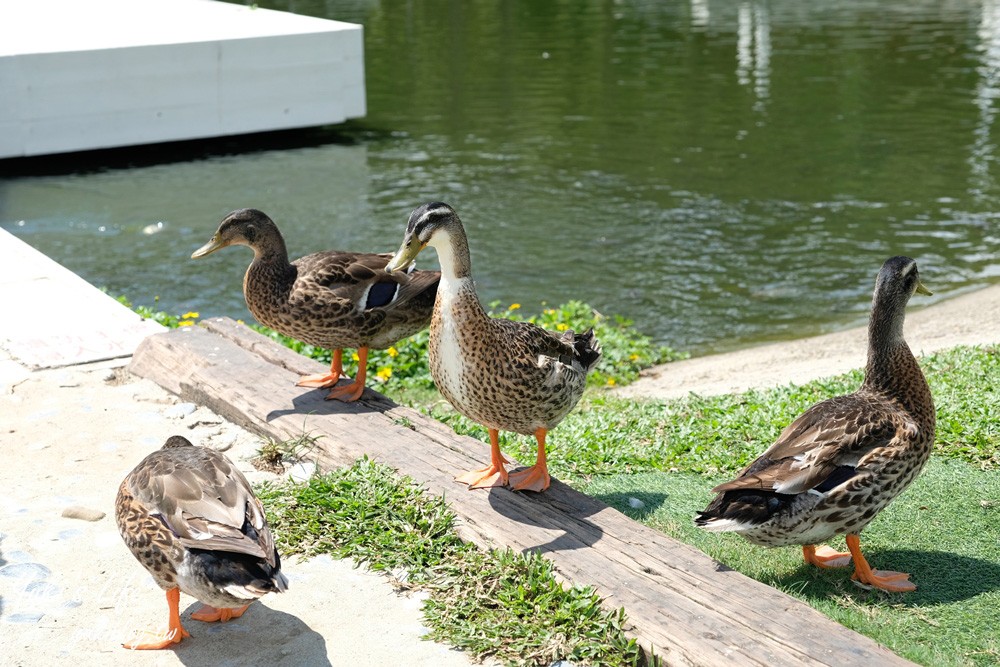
[(506, 375), (189, 516), (330, 299), (844, 459)]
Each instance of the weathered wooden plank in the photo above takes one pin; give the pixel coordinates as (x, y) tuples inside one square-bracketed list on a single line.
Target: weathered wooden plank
[(687, 608)]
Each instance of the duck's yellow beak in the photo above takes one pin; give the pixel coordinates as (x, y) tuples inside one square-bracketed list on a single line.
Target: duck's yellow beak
[(921, 289), (208, 248), (404, 256)]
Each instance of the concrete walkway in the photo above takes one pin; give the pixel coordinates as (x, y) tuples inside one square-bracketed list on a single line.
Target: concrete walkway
[(73, 423)]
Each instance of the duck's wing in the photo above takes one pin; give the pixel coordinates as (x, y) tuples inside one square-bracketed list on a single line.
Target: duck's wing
[(358, 282), (822, 447), (204, 501)]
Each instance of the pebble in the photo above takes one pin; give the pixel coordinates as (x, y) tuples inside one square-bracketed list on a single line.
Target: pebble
[(83, 513), (42, 589), (28, 617), (636, 504), (302, 471), (180, 411), (25, 571)]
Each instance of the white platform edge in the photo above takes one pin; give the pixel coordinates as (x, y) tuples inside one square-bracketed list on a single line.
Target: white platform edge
[(112, 73)]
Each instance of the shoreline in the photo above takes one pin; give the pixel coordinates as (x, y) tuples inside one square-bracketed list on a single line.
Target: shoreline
[(972, 318)]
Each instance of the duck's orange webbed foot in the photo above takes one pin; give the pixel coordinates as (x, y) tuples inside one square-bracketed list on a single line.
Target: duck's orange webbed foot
[(492, 475), (535, 478), (175, 632), (484, 478), (825, 557), (865, 576), (154, 641), (322, 380), (209, 614), (348, 393), (352, 392)]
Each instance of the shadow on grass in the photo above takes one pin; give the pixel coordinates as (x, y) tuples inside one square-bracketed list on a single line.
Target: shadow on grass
[(941, 577)]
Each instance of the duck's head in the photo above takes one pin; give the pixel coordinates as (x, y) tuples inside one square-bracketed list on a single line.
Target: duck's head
[(175, 441), (428, 225), (897, 281), (246, 226)]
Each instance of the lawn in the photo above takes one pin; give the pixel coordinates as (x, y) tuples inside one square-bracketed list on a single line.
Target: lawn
[(944, 530)]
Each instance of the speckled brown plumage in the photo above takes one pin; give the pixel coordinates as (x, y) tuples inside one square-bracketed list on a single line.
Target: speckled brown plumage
[(506, 375), (332, 299), (834, 468), (191, 519)]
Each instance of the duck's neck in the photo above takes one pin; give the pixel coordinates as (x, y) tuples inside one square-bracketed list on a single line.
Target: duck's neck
[(270, 250), (891, 366), (456, 267), (269, 268)]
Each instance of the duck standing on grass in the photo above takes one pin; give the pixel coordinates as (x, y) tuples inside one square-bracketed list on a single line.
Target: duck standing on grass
[(506, 375), (330, 299), (189, 516), (843, 460)]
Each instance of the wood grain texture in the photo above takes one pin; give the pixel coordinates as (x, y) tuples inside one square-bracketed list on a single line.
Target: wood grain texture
[(682, 605)]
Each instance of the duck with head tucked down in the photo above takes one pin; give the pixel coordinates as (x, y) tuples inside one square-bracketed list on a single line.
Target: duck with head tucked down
[(834, 468), (506, 375), (332, 299), (190, 518)]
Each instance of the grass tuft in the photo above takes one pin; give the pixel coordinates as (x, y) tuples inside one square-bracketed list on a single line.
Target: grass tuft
[(490, 603)]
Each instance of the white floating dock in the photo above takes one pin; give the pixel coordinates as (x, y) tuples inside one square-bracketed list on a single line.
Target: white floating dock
[(88, 74)]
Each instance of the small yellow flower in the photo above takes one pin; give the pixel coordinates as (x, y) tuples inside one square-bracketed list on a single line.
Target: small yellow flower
[(633, 357), (185, 323), (562, 326), (514, 306), (355, 357), (240, 322), (550, 311), (190, 316), (392, 352), (611, 382), (384, 373)]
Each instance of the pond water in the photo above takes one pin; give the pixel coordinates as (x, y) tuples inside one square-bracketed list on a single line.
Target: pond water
[(722, 173)]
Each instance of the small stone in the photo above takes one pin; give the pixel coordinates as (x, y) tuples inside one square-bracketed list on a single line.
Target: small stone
[(25, 617), (302, 471), (636, 504), (42, 589), (180, 411), (25, 571), (83, 513)]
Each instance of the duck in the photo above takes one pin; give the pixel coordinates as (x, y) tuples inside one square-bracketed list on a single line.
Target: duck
[(843, 460), (331, 299), (190, 518), (504, 374)]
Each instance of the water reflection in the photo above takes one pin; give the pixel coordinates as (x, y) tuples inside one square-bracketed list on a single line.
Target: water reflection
[(753, 50), (987, 91), (721, 172)]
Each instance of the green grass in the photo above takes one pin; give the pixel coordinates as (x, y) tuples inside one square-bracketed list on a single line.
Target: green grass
[(944, 530), (490, 603), (721, 434)]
